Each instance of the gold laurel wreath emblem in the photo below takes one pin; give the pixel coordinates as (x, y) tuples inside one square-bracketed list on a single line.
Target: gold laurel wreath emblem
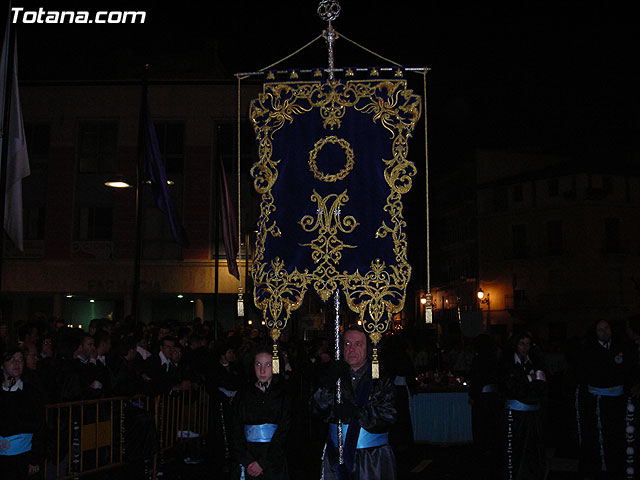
[(342, 174)]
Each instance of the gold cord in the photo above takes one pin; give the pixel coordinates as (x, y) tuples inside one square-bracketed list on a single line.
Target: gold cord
[(239, 217), (291, 54), (370, 51)]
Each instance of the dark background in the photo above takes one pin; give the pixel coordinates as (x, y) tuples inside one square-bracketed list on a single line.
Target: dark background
[(545, 78)]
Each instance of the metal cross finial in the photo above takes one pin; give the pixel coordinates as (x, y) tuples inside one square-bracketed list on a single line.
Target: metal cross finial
[(329, 10)]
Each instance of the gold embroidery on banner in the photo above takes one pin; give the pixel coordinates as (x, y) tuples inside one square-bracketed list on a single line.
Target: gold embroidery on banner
[(341, 175), (285, 292), (379, 292), (327, 247)]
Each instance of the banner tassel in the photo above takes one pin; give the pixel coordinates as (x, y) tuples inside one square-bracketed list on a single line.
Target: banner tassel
[(275, 362), (375, 367)]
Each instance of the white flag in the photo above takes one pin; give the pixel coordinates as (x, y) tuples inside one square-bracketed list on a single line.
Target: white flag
[(18, 160)]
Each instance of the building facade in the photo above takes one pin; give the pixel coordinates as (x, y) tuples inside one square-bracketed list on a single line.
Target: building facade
[(558, 244), (80, 236)]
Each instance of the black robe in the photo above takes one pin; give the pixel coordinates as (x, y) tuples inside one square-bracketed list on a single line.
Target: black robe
[(528, 458), (252, 406), (22, 412), (486, 412), (377, 416), (604, 368)]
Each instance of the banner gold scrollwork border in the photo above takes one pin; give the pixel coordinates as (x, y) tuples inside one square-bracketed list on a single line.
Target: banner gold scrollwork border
[(377, 294)]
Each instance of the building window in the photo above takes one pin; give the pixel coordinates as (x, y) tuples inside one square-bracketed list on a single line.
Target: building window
[(612, 235), (519, 240), (500, 199), (158, 240), (98, 147), (34, 221), (555, 238), (95, 224), (171, 142), (518, 196), (38, 141)]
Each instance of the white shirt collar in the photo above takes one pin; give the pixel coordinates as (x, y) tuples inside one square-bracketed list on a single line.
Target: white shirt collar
[(144, 353), (519, 361), (164, 360), (82, 359), (606, 345), (17, 386)]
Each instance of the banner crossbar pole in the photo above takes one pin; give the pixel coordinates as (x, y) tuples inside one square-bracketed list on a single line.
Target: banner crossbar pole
[(329, 70)]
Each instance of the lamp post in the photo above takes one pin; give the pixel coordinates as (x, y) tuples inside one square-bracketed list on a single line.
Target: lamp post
[(120, 182), (485, 298)]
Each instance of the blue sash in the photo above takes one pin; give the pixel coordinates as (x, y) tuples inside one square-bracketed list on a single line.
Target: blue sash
[(522, 407), (15, 444), (351, 440), (616, 391), (260, 433), (365, 439), (490, 388)]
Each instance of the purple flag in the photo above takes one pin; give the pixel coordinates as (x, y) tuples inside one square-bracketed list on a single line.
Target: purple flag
[(153, 170), (229, 225)]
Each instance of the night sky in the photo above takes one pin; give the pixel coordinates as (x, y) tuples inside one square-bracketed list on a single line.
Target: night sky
[(545, 78)]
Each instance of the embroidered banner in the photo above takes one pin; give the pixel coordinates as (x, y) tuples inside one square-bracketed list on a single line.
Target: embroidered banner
[(331, 173)]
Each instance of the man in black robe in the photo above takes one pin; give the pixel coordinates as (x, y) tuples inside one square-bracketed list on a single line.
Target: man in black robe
[(368, 408), (607, 369)]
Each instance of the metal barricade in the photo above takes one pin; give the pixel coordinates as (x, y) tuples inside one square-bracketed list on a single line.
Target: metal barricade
[(90, 435)]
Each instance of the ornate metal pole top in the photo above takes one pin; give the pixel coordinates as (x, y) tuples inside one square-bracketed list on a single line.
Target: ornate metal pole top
[(329, 10)]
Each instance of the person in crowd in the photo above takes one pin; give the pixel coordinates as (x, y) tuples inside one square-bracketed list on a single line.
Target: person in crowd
[(196, 357), (486, 405), (143, 351), (262, 418), (47, 347), (141, 436), (164, 330), (91, 379), (95, 325), (399, 368), (22, 426), (31, 373), (607, 368), (127, 380), (367, 412), (28, 333), (159, 368), (184, 374), (524, 387), (103, 359), (225, 381)]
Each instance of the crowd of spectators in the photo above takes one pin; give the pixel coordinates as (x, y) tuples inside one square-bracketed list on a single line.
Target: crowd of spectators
[(113, 358), (116, 358)]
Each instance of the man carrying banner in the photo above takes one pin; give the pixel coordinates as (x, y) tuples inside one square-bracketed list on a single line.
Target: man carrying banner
[(367, 412)]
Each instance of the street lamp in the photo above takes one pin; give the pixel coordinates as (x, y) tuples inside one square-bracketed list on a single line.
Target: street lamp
[(485, 298), (120, 182)]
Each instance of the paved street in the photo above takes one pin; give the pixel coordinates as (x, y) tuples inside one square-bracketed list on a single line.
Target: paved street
[(424, 462)]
